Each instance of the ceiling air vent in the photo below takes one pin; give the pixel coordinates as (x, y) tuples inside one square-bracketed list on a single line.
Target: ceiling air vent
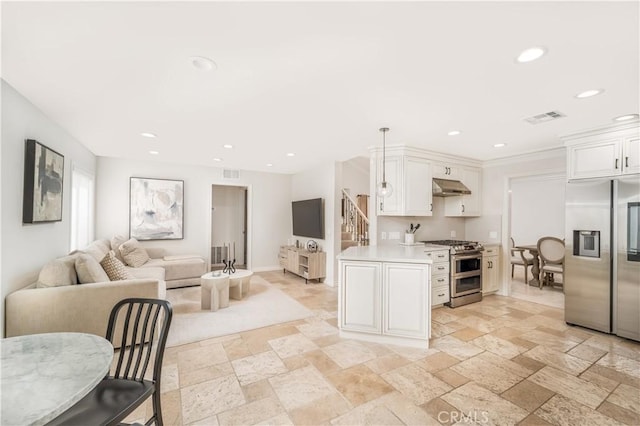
[(543, 118), (231, 174)]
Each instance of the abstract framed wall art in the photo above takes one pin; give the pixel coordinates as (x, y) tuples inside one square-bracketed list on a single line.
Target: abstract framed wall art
[(43, 184), (156, 209)]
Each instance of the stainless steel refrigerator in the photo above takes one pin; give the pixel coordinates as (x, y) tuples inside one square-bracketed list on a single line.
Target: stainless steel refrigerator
[(602, 258)]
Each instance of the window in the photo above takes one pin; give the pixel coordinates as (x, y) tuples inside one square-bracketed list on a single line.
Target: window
[(82, 205)]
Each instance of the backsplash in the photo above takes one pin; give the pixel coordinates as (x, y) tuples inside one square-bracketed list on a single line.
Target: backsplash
[(436, 227)]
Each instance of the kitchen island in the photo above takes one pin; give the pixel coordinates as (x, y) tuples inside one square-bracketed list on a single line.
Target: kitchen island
[(384, 294)]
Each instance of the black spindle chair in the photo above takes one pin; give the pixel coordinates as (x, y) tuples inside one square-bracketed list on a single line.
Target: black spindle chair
[(140, 327)]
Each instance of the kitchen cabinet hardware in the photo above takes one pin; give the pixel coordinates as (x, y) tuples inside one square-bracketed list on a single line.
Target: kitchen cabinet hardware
[(617, 159)]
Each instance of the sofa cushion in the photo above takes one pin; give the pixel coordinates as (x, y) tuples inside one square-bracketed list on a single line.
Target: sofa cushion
[(133, 253), (116, 242), (114, 268), (58, 272), (89, 270), (147, 273), (98, 249), (179, 269)]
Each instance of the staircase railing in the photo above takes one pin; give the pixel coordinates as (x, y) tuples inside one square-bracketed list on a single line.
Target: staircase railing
[(354, 220)]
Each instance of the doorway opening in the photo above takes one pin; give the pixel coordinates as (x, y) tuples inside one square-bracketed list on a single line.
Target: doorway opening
[(229, 233), (536, 206)]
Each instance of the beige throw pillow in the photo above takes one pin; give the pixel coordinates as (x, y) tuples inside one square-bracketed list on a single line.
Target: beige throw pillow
[(89, 270), (114, 269), (98, 249), (58, 272), (116, 242), (133, 253)]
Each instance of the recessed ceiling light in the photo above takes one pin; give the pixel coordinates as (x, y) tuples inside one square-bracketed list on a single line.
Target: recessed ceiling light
[(454, 133), (589, 93), (202, 63), (217, 159), (269, 165), (148, 135), (154, 152), (531, 54), (290, 154), (499, 145), (626, 117), (227, 146)]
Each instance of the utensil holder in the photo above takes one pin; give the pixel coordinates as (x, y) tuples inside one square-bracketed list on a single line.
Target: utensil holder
[(409, 238)]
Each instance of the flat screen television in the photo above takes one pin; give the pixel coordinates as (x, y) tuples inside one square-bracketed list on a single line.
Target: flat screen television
[(308, 218)]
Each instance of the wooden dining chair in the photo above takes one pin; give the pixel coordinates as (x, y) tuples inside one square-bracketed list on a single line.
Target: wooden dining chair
[(144, 324), (551, 252), (518, 258)]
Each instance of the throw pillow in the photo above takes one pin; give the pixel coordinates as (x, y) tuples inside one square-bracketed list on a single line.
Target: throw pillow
[(114, 268), (58, 272), (89, 270), (133, 253), (116, 242), (98, 249)]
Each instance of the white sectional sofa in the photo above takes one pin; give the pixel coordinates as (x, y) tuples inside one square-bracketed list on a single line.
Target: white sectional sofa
[(68, 306)]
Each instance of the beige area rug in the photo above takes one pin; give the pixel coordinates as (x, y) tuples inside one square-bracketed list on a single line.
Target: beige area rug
[(264, 305)]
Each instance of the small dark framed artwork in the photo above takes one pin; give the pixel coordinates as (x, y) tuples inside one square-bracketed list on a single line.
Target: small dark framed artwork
[(43, 184), (156, 209)]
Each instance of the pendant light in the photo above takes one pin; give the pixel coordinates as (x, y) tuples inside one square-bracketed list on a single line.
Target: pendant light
[(384, 188)]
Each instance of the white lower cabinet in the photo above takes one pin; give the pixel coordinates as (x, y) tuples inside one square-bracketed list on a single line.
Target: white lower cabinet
[(388, 301), (405, 300), (360, 297), (491, 269), (440, 274)]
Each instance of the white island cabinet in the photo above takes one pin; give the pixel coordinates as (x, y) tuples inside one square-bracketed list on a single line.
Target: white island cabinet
[(384, 295)]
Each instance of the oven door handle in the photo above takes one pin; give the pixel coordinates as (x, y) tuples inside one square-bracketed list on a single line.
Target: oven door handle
[(458, 275), (471, 256)]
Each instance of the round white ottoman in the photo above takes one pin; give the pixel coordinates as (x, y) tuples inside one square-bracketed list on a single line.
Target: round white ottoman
[(214, 291)]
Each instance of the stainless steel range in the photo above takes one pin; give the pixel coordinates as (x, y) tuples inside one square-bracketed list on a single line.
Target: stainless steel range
[(466, 271)]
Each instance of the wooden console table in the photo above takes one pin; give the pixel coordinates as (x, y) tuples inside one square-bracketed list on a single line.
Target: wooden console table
[(302, 262)]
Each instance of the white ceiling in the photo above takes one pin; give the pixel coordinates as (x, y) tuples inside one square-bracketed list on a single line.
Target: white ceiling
[(319, 79)]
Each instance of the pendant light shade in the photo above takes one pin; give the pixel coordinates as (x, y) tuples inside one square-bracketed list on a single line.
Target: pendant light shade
[(384, 189)]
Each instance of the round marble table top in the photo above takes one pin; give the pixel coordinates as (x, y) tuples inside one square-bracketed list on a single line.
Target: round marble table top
[(42, 375)]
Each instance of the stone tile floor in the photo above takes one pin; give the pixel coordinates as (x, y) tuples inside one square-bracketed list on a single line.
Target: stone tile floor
[(547, 295), (502, 361)]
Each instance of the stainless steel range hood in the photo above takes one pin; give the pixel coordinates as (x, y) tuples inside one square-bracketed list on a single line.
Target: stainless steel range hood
[(449, 188)]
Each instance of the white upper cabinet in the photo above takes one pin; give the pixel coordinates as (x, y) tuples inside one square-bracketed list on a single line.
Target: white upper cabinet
[(466, 205), (631, 155), (604, 153), (410, 171), (446, 171), (410, 178), (417, 187), (391, 205)]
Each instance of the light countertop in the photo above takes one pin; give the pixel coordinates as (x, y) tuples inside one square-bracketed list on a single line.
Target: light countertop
[(387, 253)]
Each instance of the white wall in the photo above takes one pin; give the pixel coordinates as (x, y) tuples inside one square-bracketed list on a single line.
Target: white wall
[(537, 208), (355, 176), (26, 248), (495, 173), (269, 220), (322, 182)]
